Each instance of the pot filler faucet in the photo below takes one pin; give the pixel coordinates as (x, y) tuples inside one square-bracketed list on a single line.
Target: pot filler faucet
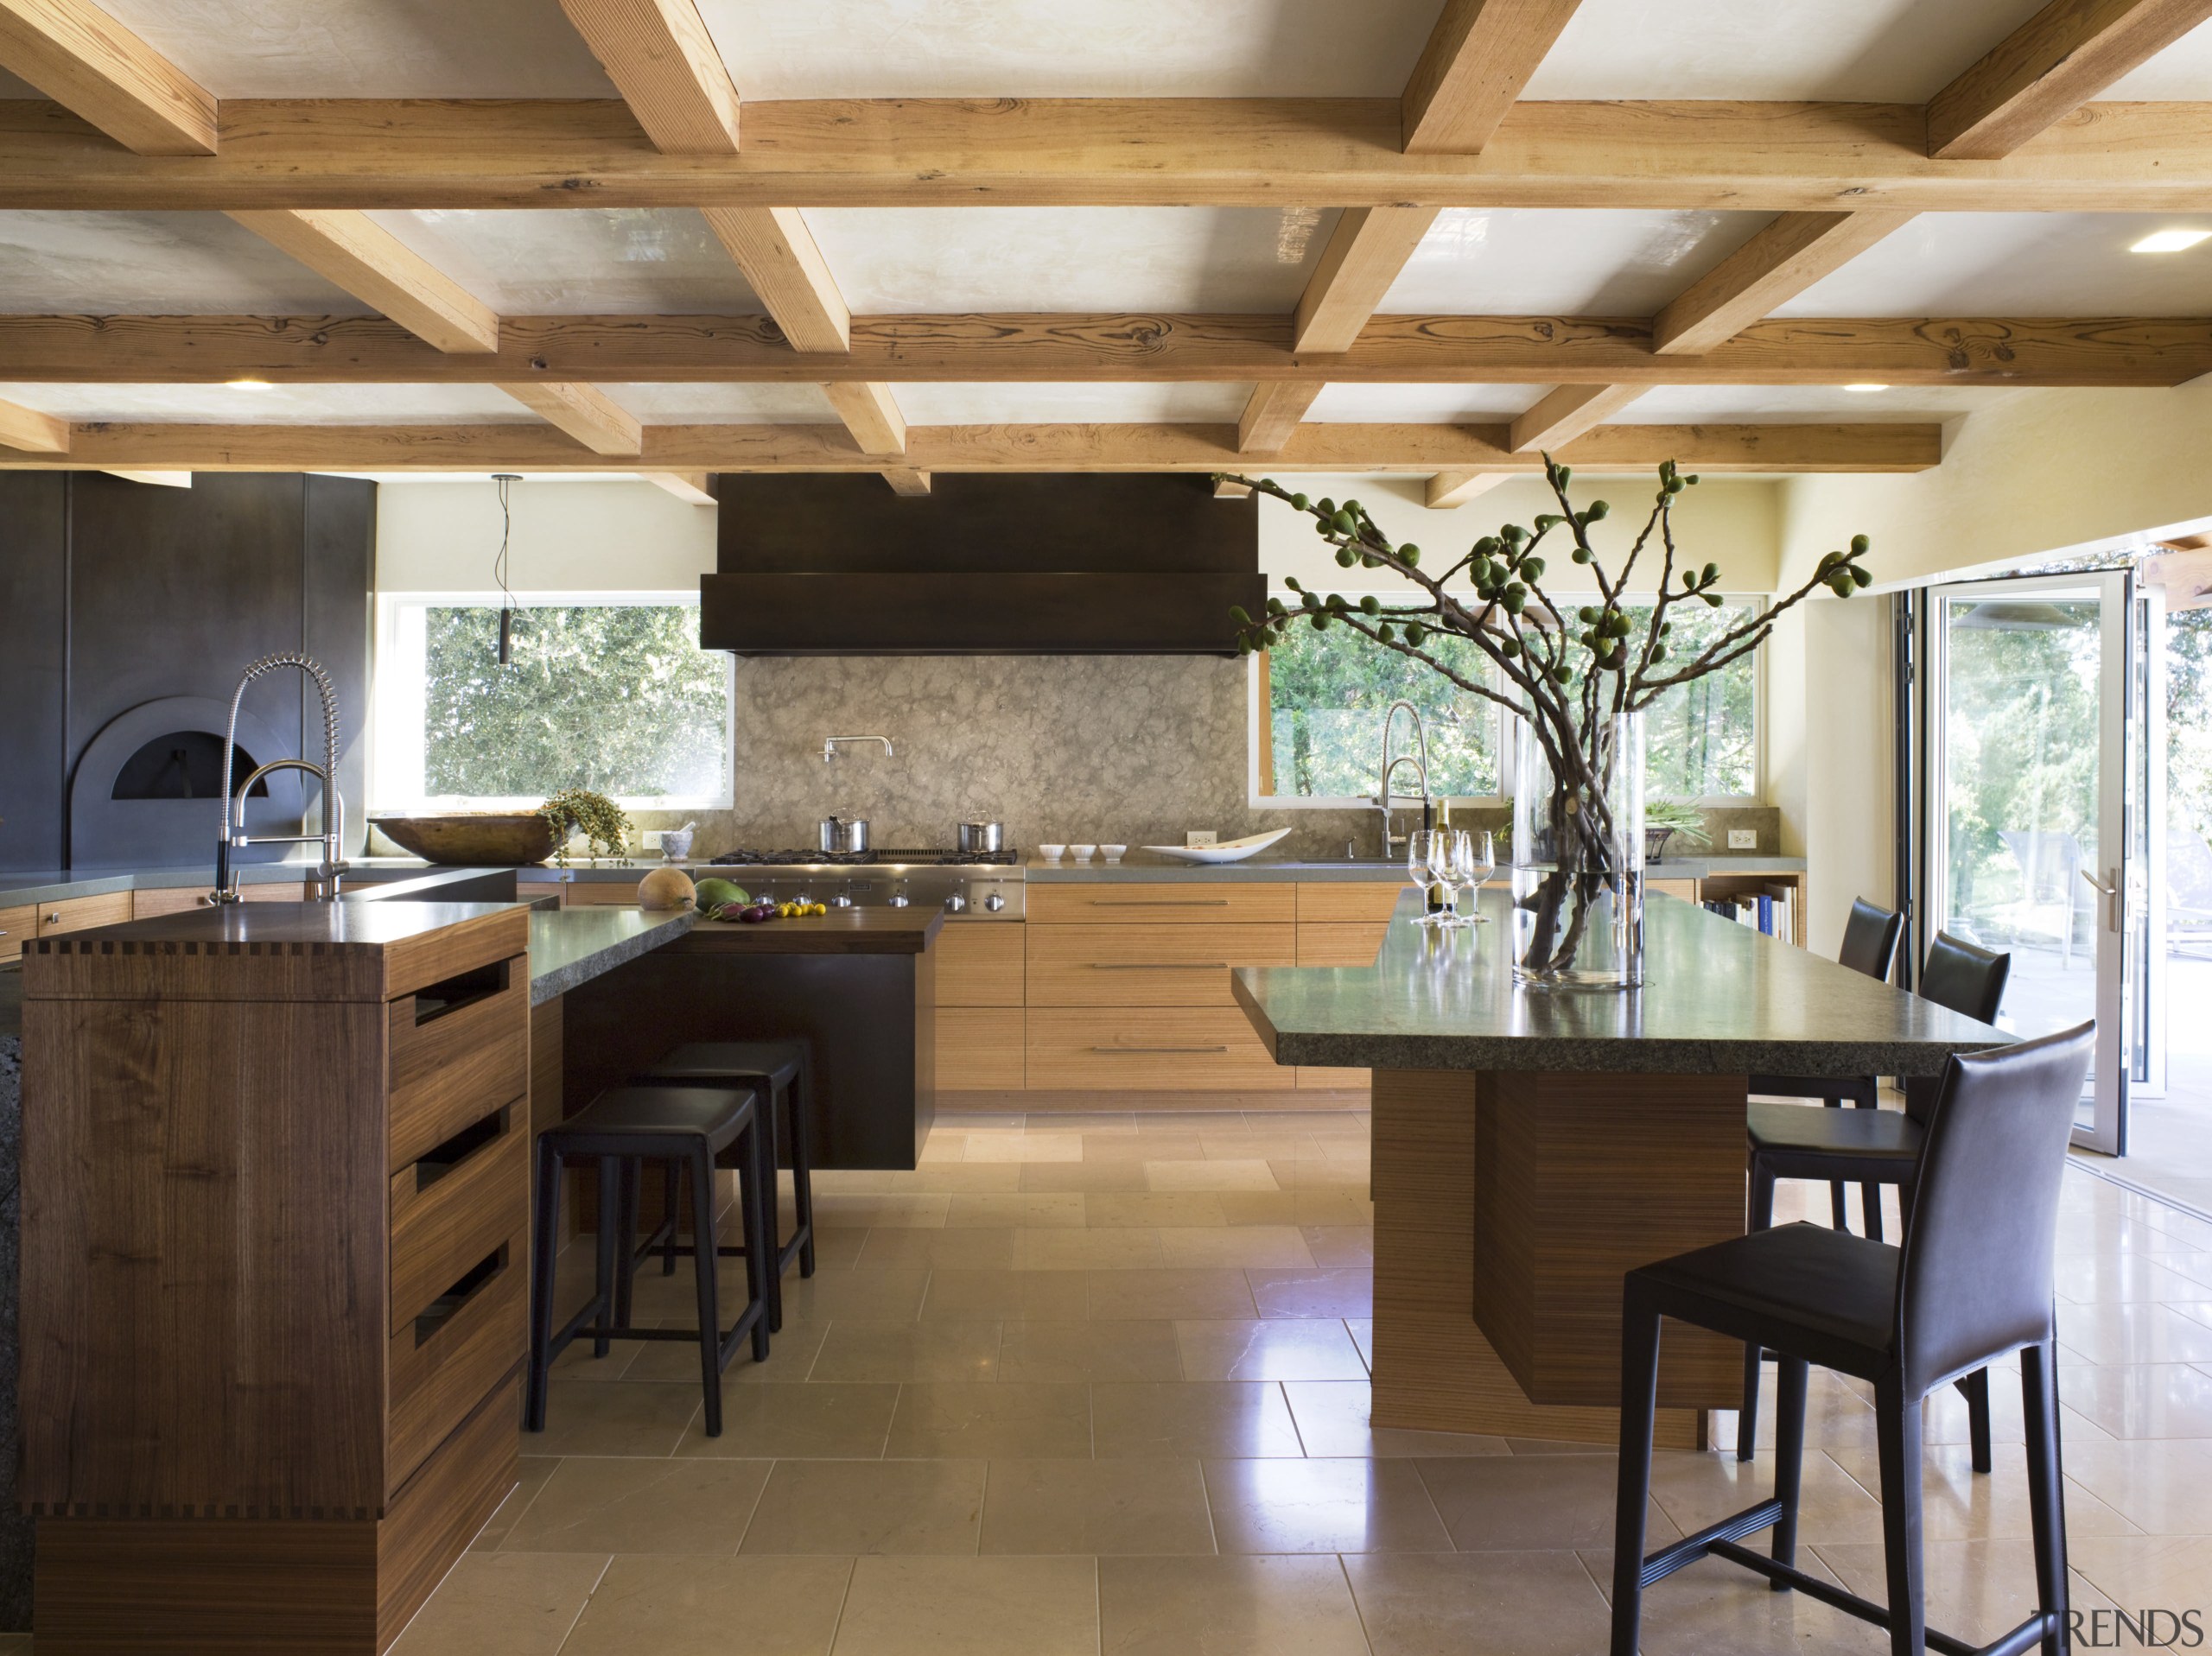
[(1392, 841), (333, 839), (830, 745)]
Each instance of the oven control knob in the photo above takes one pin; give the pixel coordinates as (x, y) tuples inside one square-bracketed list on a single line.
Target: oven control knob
[(899, 898), (844, 899), (995, 901), (958, 902)]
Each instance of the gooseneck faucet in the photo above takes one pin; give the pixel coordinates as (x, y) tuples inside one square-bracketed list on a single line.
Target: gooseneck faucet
[(1392, 841), (332, 837), (831, 744)]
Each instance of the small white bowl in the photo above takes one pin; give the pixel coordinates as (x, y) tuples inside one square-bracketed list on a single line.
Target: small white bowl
[(1051, 853), (1083, 852), (1112, 853)]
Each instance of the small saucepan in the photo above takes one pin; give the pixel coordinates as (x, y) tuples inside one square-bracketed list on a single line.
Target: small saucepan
[(974, 838)]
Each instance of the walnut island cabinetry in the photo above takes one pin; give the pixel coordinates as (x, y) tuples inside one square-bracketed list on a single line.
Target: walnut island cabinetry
[(275, 1237)]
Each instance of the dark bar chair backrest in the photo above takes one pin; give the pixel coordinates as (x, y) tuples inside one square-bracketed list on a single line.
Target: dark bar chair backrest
[(1870, 939), (1960, 977), (1976, 1279)]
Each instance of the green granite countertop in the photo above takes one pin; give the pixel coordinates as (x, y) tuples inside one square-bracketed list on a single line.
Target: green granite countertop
[(1718, 999)]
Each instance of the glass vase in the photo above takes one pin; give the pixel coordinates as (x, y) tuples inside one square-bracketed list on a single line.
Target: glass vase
[(1578, 856)]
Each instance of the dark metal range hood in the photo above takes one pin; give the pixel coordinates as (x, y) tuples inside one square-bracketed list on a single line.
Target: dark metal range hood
[(984, 565)]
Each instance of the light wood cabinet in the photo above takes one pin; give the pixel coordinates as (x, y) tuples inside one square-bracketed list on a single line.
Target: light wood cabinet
[(1155, 965), (979, 963), (18, 925), (81, 913), (1150, 1047), (1191, 903), (982, 1048), (980, 1026), (1364, 902)]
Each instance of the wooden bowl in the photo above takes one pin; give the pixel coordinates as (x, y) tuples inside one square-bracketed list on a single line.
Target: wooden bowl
[(473, 839)]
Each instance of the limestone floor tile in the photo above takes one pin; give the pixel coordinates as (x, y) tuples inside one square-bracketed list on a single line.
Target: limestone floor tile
[(1244, 1247), (1227, 1607), (1036, 1350), (1284, 1505), (606, 1504), (1717, 1609), (1507, 1503), (1045, 1146), (675, 1362), (1335, 1245), (1125, 1173), (501, 1604), (1332, 1419), (1530, 1604), (960, 1247), (1302, 1206), (856, 1506), (534, 1469), (878, 1208), (1106, 1209), (1144, 1147), (1120, 1295), (1131, 1249), (940, 1349), (2145, 1399), (1117, 1122), (850, 1181), (1119, 1506), (957, 1177), (885, 1294), (1190, 1419), (2131, 1334), (2136, 1572), (1696, 1489), (1362, 1330), (1344, 1290), (1006, 1209), (990, 1419), (835, 1245), (2162, 1486), (956, 1291), (708, 1607), (821, 1421), (1973, 1590), (1260, 1146), (971, 1606), (1268, 1349), (1958, 1503), (1208, 1175), (632, 1418), (2106, 1277)]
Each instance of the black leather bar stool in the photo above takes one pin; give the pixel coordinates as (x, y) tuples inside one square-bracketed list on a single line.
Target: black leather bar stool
[(1972, 1283), (781, 1076), (688, 1128), (1873, 1147), (1870, 945)]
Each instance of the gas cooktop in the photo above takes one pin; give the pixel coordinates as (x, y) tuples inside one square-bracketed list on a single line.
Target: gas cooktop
[(913, 859)]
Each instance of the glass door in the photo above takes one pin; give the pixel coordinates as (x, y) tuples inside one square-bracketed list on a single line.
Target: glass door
[(2031, 782)]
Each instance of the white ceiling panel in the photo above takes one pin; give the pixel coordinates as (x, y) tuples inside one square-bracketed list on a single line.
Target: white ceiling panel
[(153, 263), (1854, 50), (1667, 405), (2019, 264), (334, 405), (717, 405), (913, 259), (1524, 262), (370, 49), (626, 260), (1050, 48), (1114, 403), (1419, 405), (2183, 73)]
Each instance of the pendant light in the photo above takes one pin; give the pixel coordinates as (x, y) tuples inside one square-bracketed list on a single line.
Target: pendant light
[(505, 480)]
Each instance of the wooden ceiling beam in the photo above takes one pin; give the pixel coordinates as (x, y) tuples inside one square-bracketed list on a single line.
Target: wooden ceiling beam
[(1412, 449), (1272, 413), (32, 431), (104, 73), (1160, 347), (777, 253), (1713, 156), (1365, 252), (1561, 415), (1774, 267), (1448, 490), (871, 414), (1479, 57), (688, 486), (351, 250), (905, 479), (661, 59), (2049, 67), (585, 413)]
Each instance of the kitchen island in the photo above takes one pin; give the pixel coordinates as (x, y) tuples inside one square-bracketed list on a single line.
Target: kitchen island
[(1531, 1147)]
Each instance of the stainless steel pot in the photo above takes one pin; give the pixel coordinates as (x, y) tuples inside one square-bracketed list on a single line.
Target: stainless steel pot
[(844, 834), (974, 838)]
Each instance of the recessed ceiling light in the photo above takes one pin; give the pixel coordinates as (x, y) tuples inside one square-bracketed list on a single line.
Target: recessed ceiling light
[(1865, 385), (248, 384), (2170, 241)]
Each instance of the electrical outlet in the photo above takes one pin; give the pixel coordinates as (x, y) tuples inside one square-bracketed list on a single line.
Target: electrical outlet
[(1743, 839), (652, 839), (1200, 836)]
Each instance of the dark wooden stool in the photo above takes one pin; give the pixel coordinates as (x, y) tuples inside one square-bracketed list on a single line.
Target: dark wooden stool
[(1973, 1283), (688, 1128)]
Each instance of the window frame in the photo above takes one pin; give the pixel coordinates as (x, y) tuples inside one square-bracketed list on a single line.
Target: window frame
[(1260, 754), (388, 701)]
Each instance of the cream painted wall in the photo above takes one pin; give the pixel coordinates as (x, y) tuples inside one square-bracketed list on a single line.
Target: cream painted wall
[(569, 537)]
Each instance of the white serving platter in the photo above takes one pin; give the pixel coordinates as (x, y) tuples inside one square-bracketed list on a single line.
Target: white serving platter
[(1227, 851)]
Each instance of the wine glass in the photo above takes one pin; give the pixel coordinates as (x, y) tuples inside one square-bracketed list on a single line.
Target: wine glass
[(1475, 860), (1424, 848)]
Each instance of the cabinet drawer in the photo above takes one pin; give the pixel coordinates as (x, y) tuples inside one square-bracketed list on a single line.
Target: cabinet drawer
[(17, 927), (979, 1047), (82, 913), (1151, 1049), (1150, 965), (1331, 902), (461, 1203), (1312, 1079), (456, 1055), (1194, 902), (1340, 944), (979, 963), (601, 893), (443, 1363)]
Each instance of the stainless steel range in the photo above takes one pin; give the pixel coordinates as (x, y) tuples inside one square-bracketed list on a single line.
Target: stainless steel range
[(976, 886)]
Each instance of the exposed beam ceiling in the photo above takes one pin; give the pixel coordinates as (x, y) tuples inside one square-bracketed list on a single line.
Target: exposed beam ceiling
[(585, 412), (352, 252), (1774, 266), (1718, 156), (1320, 448), (30, 430), (1479, 57), (2047, 68), (91, 64), (1365, 252), (904, 479), (1272, 414), (688, 486), (1224, 490), (871, 414), (1450, 489), (659, 56), (1156, 346), (774, 249), (158, 479), (1562, 415)]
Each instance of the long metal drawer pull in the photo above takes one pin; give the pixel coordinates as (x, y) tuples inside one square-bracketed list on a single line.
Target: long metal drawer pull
[(1159, 902), (1160, 1049), (1160, 966)]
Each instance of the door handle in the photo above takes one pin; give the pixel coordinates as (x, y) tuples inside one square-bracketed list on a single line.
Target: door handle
[(2110, 892)]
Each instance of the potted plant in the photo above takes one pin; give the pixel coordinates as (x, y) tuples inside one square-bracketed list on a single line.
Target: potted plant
[(1577, 677)]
